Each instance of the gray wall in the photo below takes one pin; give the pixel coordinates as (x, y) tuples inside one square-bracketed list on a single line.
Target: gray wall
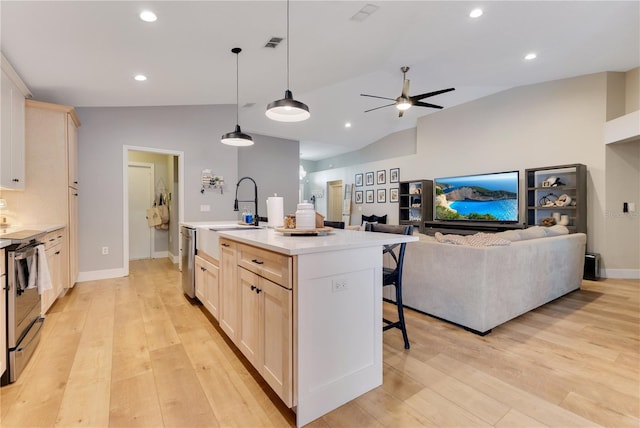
[(551, 123), (193, 130)]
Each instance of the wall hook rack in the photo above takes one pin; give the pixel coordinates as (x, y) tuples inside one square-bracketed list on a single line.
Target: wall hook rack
[(211, 181)]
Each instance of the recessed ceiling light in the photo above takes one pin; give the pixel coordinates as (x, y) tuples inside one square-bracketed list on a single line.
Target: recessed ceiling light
[(148, 16), (347, 125), (530, 56), (140, 77), (476, 13)]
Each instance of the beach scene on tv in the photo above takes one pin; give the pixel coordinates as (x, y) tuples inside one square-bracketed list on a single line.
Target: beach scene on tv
[(486, 197)]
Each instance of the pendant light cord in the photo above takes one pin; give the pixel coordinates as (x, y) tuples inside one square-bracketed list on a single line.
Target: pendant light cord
[(288, 45), (237, 92)]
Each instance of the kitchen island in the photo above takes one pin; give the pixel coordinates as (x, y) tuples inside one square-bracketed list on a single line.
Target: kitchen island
[(331, 341)]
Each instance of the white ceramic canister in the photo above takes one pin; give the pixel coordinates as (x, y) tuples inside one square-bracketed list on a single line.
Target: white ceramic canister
[(305, 216)]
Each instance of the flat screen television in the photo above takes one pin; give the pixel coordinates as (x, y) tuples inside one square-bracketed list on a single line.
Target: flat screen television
[(480, 198)]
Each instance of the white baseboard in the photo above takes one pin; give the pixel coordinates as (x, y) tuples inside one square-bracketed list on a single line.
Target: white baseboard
[(101, 274), (160, 254), (175, 259), (620, 273)]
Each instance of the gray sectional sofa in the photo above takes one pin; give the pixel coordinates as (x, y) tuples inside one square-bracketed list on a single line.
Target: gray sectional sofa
[(480, 288)]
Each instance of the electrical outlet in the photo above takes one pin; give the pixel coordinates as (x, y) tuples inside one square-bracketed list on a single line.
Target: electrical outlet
[(339, 284), (105, 251)]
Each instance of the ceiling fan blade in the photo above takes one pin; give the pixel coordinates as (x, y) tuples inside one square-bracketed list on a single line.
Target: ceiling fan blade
[(421, 104), (375, 96), (430, 94), (405, 88), (367, 111)]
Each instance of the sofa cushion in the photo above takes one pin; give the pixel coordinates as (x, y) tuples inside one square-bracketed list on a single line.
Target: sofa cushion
[(511, 235), (532, 233), (480, 239), (556, 230)]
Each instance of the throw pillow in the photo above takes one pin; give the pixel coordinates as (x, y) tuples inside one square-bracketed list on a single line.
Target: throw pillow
[(486, 240), (375, 218), (556, 230), (533, 232)]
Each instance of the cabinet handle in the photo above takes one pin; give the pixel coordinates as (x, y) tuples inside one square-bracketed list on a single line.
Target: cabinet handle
[(253, 287), (16, 180), (224, 245), (57, 252), (258, 262), (75, 194), (258, 290)]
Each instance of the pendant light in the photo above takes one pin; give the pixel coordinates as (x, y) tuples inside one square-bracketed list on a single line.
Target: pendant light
[(237, 137), (288, 109)]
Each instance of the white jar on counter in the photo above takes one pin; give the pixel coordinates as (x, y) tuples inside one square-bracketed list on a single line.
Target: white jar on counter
[(305, 216)]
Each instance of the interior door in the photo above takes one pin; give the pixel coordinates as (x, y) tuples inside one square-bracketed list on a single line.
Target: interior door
[(334, 200), (140, 199)]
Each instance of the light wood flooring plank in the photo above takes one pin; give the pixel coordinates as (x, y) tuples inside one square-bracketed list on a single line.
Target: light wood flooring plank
[(135, 352)]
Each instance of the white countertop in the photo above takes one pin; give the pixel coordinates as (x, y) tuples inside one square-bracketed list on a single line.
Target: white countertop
[(339, 239), (4, 243)]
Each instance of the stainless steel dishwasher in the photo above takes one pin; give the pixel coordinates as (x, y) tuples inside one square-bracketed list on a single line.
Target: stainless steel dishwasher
[(188, 260)]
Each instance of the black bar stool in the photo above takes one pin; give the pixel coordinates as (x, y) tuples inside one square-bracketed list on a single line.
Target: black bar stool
[(393, 275)]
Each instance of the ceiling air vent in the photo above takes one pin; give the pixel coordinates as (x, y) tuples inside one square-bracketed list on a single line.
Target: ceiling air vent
[(273, 42)]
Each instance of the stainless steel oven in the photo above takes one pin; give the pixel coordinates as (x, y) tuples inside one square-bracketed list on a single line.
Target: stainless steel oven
[(24, 322)]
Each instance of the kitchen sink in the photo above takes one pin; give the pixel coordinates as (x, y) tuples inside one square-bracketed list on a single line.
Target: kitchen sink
[(223, 228)]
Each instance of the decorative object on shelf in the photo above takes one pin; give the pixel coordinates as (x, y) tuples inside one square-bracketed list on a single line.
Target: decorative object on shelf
[(552, 182), (564, 220), (556, 216), (211, 181), (369, 178), (237, 137), (382, 177), (358, 196), (563, 201), (369, 196), (288, 109), (548, 221), (382, 196), (393, 195), (548, 200), (359, 180), (394, 175)]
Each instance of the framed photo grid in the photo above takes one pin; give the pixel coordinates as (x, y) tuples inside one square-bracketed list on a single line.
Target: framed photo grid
[(370, 196), (382, 177), (359, 196), (358, 180), (382, 196), (393, 194), (369, 178), (394, 175)]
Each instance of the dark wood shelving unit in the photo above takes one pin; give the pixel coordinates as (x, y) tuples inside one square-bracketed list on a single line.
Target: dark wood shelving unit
[(573, 183), (416, 203)]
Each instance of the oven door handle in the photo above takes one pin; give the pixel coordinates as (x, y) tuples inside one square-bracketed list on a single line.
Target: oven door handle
[(40, 321), (24, 253)]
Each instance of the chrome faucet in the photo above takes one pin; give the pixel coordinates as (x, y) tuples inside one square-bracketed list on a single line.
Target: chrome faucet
[(255, 198)]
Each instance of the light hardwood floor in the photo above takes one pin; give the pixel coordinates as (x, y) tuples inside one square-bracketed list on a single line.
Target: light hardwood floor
[(134, 352)]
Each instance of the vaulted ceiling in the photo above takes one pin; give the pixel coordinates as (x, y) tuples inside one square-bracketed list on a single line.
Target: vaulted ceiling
[(85, 53)]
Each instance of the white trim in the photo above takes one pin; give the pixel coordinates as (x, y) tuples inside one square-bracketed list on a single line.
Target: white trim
[(622, 129), (125, 193), (160, 254), (101, 274), (175, 259), (14, 77), (620, 273)]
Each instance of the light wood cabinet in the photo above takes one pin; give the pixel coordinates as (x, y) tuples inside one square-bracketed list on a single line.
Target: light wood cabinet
[(265, 334), (3, 314), (54, 250), (228, 288), (12, 139), (207, 285), (51, 198)]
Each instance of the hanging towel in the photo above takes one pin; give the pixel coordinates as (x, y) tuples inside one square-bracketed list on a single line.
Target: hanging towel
[(43, 278)]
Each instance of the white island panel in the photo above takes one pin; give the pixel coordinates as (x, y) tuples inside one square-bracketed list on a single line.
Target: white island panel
[(339, 335)]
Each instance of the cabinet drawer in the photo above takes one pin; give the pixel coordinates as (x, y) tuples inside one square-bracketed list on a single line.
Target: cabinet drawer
[(273, 266), (53, 239)]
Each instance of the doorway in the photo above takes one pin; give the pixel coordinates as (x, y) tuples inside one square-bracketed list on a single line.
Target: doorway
[(141, 196), (168, 180), (334, 200)]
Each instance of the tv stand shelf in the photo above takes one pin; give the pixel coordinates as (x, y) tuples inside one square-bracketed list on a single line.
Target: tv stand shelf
[(468, 228)]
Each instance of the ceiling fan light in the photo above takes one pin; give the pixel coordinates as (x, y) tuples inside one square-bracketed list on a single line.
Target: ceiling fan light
[(403, 104), (288, 109), (237, 138)]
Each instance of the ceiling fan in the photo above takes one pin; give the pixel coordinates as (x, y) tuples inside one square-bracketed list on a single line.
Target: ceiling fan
[(404, 101)]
